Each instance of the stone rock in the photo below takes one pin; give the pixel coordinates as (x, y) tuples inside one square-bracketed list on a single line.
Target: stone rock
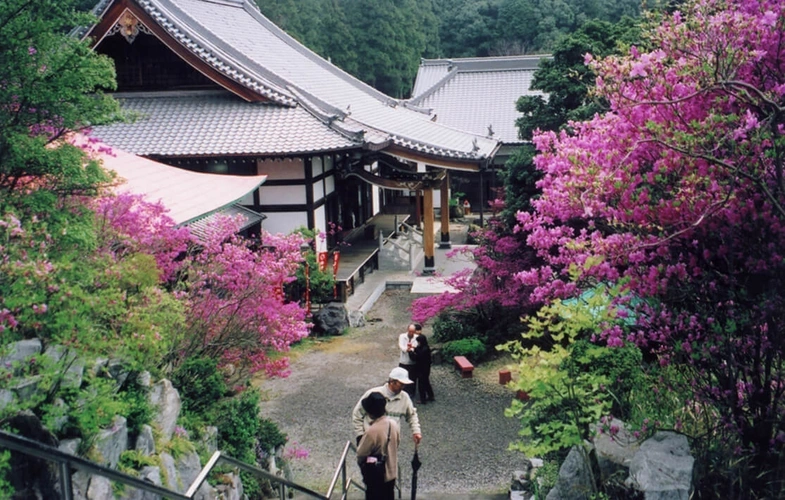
[(231, 487), (165, 398), (21, 350), (70, 446), (615, 452), (662, 468), (331, 319), (356, 319), (100, 488), (150, 474), (111, 442), (80, 482), (145, 379), (170, 477), (74, 367), (6, 398), (145, 442), (574, 481), (26, 388), (188, 468)]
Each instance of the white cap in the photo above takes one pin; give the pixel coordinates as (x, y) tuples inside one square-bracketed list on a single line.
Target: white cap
[(401, 375)]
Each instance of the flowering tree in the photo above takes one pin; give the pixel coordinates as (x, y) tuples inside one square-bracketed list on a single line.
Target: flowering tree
[(230, 291), (676, 197)]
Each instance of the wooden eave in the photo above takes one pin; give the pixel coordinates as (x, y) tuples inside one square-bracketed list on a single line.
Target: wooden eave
[(470, 165), (112, 15)]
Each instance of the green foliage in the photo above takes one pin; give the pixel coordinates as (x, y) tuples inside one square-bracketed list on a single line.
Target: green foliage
[(6, 490), (239, 425), (448, 326), (473, 348), (139, 410), (178, 446), (269, 435), (91, 409), (571, 382), (545, 478), (134, 460), (200, 384)]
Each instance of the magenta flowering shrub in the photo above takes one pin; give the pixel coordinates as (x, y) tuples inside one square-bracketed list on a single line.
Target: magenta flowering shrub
[(677, 194), (229, 291)]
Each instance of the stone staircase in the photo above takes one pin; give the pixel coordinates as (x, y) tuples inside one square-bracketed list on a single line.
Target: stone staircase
[(401, 251)]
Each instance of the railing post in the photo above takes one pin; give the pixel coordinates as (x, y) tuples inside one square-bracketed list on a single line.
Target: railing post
[(395, 230), (381, 241), (282, 490), (65, 481)]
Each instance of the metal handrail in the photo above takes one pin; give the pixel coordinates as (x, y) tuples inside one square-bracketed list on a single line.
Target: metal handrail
[(67, 462)]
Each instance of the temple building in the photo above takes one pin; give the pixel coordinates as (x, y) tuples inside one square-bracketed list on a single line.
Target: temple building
[(213, 86)]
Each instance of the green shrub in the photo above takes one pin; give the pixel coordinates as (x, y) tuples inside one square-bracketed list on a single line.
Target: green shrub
[(269, 435), (6, 490), (140, 411), (239, 425), (472, 348), (449, 326), (199, 383)]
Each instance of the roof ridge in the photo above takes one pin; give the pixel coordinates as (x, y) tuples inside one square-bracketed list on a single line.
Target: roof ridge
[(253, 9), (433, 88), (261, 83)]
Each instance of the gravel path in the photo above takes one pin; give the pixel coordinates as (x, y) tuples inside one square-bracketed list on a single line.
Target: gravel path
[(465, 433)]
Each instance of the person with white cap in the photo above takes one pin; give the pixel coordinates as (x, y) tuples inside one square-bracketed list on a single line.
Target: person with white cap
[(399, 405)]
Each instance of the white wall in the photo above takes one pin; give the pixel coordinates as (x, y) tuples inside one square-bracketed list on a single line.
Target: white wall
[(282, 195), (284, 222), (320, 221)]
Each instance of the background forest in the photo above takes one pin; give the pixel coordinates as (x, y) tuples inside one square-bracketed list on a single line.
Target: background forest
[(381, 41)]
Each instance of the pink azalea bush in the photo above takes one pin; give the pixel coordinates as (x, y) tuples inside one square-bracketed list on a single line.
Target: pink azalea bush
[(677, 195)]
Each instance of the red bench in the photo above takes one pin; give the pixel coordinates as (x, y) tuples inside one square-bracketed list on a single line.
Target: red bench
[(464, 366)]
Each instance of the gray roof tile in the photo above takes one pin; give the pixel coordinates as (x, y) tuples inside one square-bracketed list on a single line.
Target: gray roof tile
[(472, 94), (216, 123), (236, 39)]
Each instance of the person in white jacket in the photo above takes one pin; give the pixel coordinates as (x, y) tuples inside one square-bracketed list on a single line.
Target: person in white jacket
[(407, 343), (399, 405)]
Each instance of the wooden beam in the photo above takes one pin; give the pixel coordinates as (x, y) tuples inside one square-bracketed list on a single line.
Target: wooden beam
[(429, 266), (445, 202)]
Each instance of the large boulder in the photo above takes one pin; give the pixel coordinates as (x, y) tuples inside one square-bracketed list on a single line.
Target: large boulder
[(166, 400), (20, 351), (145, 441), (615, 447), (662, 468), (112, 442), (575, 478), (331, 319)]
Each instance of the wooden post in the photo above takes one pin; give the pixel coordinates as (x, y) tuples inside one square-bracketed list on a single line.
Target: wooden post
[(445, 201), (429, 266)]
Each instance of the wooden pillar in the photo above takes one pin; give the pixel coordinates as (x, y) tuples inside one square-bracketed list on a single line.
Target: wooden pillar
[(445, 201), (429, 266), (417, 209)]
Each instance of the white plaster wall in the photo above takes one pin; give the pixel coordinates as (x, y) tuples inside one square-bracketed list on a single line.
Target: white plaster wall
[(282, 195), (318, 168), (320, 220), (329, 184), (318, 191), (328, 163), (284, 222), (281, 169)]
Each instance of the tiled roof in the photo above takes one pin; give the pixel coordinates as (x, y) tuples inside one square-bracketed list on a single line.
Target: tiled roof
[(188, 195), (236, 39), (216, 123), (198, 227), (474, 94)]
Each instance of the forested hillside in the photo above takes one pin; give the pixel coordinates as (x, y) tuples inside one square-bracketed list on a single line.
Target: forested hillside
[(382, 41)]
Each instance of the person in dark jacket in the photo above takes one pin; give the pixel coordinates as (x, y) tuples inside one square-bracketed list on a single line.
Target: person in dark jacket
[(422, 359)]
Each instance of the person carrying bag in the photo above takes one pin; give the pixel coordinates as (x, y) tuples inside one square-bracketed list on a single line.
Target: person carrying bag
[(377, 453)]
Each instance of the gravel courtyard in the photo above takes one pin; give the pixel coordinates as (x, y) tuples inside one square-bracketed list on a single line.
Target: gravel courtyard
[(465, 432)]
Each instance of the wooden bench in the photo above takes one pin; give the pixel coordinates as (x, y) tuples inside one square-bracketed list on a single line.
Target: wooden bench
[(464, 366)]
